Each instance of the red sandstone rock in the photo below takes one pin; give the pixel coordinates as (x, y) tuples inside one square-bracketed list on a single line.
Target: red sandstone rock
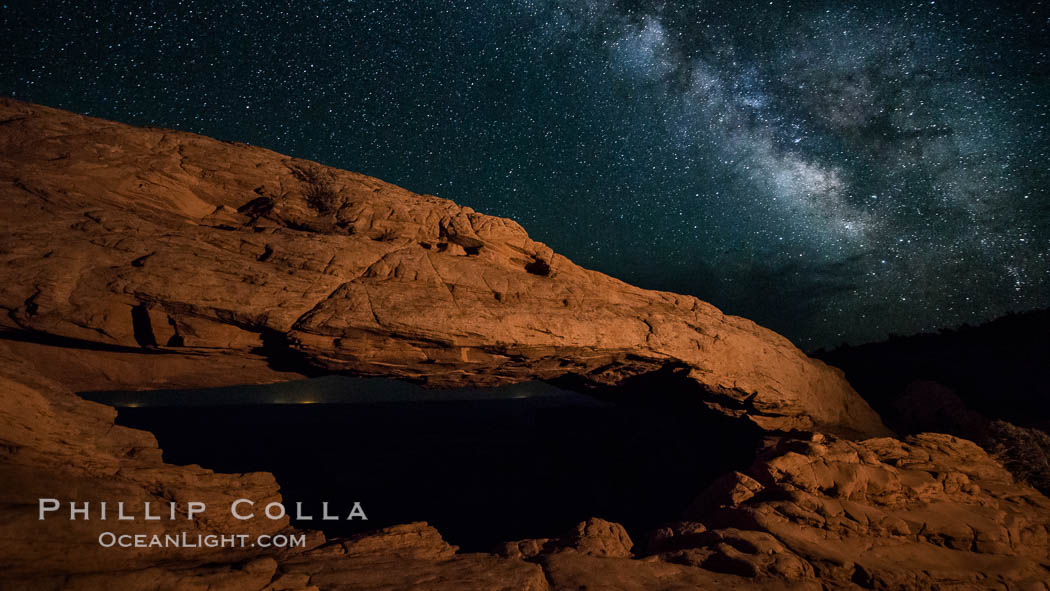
[(594, 537), (55, 445), (125, 238), (932, 511), (155, 257)]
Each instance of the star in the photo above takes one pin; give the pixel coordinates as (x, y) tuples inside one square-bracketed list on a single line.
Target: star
[(836, 172)]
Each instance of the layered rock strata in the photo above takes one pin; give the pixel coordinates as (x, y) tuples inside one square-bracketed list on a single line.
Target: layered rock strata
[(128, 240), (142, 258), (930, 512)]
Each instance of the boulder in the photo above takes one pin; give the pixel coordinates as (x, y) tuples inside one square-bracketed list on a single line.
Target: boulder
[(930, 511)]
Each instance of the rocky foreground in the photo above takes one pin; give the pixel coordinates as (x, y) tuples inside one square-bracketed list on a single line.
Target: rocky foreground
[(145, 258)]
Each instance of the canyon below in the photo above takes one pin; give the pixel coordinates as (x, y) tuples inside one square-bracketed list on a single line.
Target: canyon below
[(673, 447)]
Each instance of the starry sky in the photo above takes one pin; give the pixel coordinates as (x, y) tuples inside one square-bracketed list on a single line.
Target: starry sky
[(837, 171)]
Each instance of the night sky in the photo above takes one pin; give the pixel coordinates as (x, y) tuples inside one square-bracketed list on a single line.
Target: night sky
[(836, 171)]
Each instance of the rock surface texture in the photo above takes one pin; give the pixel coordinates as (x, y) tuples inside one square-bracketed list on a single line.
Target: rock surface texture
[(140, 258), (121, 239), (53, 444), (812, 513), (931, 511)]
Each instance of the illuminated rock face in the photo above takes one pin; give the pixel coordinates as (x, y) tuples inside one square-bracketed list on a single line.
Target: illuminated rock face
[(54, 445), (928, 512), (169, 259), (814, 512), (140, 258)]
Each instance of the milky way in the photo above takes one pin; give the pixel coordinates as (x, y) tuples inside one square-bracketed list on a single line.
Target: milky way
[(837, 171)]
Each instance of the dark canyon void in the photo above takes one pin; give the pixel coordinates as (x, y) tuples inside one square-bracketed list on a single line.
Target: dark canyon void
[(484, 466)]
